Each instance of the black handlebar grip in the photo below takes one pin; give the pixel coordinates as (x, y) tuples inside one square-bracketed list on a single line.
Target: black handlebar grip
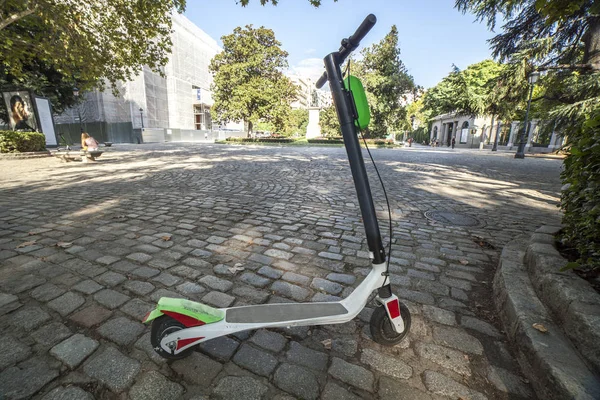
[(322, 80), (354, 41), (363, 29)]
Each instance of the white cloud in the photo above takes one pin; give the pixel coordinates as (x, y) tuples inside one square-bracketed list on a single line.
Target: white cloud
[(311, 68)]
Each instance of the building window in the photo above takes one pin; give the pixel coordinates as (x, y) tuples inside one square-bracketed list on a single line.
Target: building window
[(202, 119), (464, 132)]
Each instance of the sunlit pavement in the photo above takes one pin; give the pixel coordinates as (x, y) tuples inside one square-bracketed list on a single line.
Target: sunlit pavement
[(87, 249)]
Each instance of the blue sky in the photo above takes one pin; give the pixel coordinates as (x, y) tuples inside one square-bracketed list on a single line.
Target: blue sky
[(432, 34)]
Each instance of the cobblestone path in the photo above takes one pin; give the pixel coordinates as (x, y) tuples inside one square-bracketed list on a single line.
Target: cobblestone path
[(87, 249)]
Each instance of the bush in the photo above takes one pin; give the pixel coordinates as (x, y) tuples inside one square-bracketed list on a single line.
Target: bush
[(380, 142), (581, 195), (327, 140), (21, 142), (260, 140)]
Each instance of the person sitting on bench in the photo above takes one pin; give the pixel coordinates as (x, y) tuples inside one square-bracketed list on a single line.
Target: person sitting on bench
[(88, 143)]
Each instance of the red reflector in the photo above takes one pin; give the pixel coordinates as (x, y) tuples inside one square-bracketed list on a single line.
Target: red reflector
[(184, 342), (394, 308), (184, 319), (146, 316)]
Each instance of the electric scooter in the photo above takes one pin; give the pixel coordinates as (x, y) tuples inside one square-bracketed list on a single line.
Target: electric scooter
[(178, 324)]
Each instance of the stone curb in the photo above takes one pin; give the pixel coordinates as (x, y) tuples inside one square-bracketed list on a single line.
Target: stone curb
[(33, 154), (571, 300), (549, 360)]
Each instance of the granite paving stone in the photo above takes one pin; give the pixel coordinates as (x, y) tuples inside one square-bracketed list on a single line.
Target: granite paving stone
[(297, 380), (121, 330), (110, 298), (68, 393), (47, 292), (88, 286), (442, 385), (352, 374), (197, 369), (256, 361), (12, 351), (67, 303), (74, 350), (152, 385), (240, 388), (51, 334), (269, 340), (90, 316), (23, 381), (138, 287), (113, 369), (29, 318)]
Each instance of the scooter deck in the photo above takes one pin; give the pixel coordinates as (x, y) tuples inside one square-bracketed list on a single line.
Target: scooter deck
[(266, 313)]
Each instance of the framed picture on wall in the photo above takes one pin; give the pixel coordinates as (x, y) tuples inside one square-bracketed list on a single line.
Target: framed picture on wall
[(21, 110)]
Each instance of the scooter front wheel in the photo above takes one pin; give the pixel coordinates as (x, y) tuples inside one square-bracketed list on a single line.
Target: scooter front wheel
[(161, 327), (381, 327)]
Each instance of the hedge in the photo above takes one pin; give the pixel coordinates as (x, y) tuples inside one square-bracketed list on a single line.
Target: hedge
[(260, 140), (325, 141), (21, 142), (581, 196)]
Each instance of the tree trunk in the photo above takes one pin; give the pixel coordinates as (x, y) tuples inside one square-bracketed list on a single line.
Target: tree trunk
[(591, 40), (249, 129)]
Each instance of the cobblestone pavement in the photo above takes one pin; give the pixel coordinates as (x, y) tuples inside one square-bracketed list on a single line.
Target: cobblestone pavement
[(87, 249)]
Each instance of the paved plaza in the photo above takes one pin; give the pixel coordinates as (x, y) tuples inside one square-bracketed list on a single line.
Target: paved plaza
[(87, 249)]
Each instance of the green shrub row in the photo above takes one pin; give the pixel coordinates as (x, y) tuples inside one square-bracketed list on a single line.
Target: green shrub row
[(21, 142), (581, 195), (260, 140), (325, 141)]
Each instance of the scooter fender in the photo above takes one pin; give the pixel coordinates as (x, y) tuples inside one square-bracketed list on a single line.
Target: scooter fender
[(188, 312)]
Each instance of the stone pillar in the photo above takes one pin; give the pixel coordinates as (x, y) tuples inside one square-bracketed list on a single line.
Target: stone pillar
[(513, 137), (532, 127), (313, 129)]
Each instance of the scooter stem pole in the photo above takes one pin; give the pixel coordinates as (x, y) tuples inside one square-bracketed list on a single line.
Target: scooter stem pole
[(343, 106)]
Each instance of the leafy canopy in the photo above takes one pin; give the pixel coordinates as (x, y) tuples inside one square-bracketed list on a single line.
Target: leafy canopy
[(87, 41), (386, 81), (248, 81)]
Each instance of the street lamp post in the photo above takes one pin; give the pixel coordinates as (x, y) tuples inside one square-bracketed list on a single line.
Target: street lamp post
[(142, 116), (76, 95), (532, 79)]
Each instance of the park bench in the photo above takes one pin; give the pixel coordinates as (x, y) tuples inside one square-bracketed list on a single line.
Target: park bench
[(74, 155)]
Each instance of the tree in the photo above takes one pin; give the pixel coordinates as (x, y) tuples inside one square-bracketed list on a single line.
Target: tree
[(85, 41), (328, 121), (297, 122), (561, 37), (248, 81), (386, 81), (470, 92), (45, 81)]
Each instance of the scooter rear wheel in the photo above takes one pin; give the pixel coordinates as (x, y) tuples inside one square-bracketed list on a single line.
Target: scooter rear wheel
[(381, 327), (161, 327)]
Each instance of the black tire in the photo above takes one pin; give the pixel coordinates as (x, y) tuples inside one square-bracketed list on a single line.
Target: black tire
[(161, 327), (381, 327)]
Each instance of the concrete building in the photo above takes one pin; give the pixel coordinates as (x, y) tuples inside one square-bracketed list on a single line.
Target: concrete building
[(172, 108), (305, 89), (477, 132)]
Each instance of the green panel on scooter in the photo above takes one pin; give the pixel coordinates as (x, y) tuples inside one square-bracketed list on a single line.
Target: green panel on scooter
[(192, 309), (354, 84)]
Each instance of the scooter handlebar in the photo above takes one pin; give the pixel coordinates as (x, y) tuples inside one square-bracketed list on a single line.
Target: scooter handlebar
[(351, 44)]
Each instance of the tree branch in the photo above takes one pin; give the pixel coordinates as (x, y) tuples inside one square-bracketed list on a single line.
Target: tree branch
[(566, 66), (16, 16)]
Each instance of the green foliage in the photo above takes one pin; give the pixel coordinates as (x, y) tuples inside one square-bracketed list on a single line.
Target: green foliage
[(297, 122), (386, 81), (330, 126), (259, 140), (89, 41), (327, 140), (21, 142), (563, 38), (472, 91), (44, 81), (581, 200), (248, 83)]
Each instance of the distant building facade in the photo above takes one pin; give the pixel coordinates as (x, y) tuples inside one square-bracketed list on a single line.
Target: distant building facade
[(474, 132), (177, 102)]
